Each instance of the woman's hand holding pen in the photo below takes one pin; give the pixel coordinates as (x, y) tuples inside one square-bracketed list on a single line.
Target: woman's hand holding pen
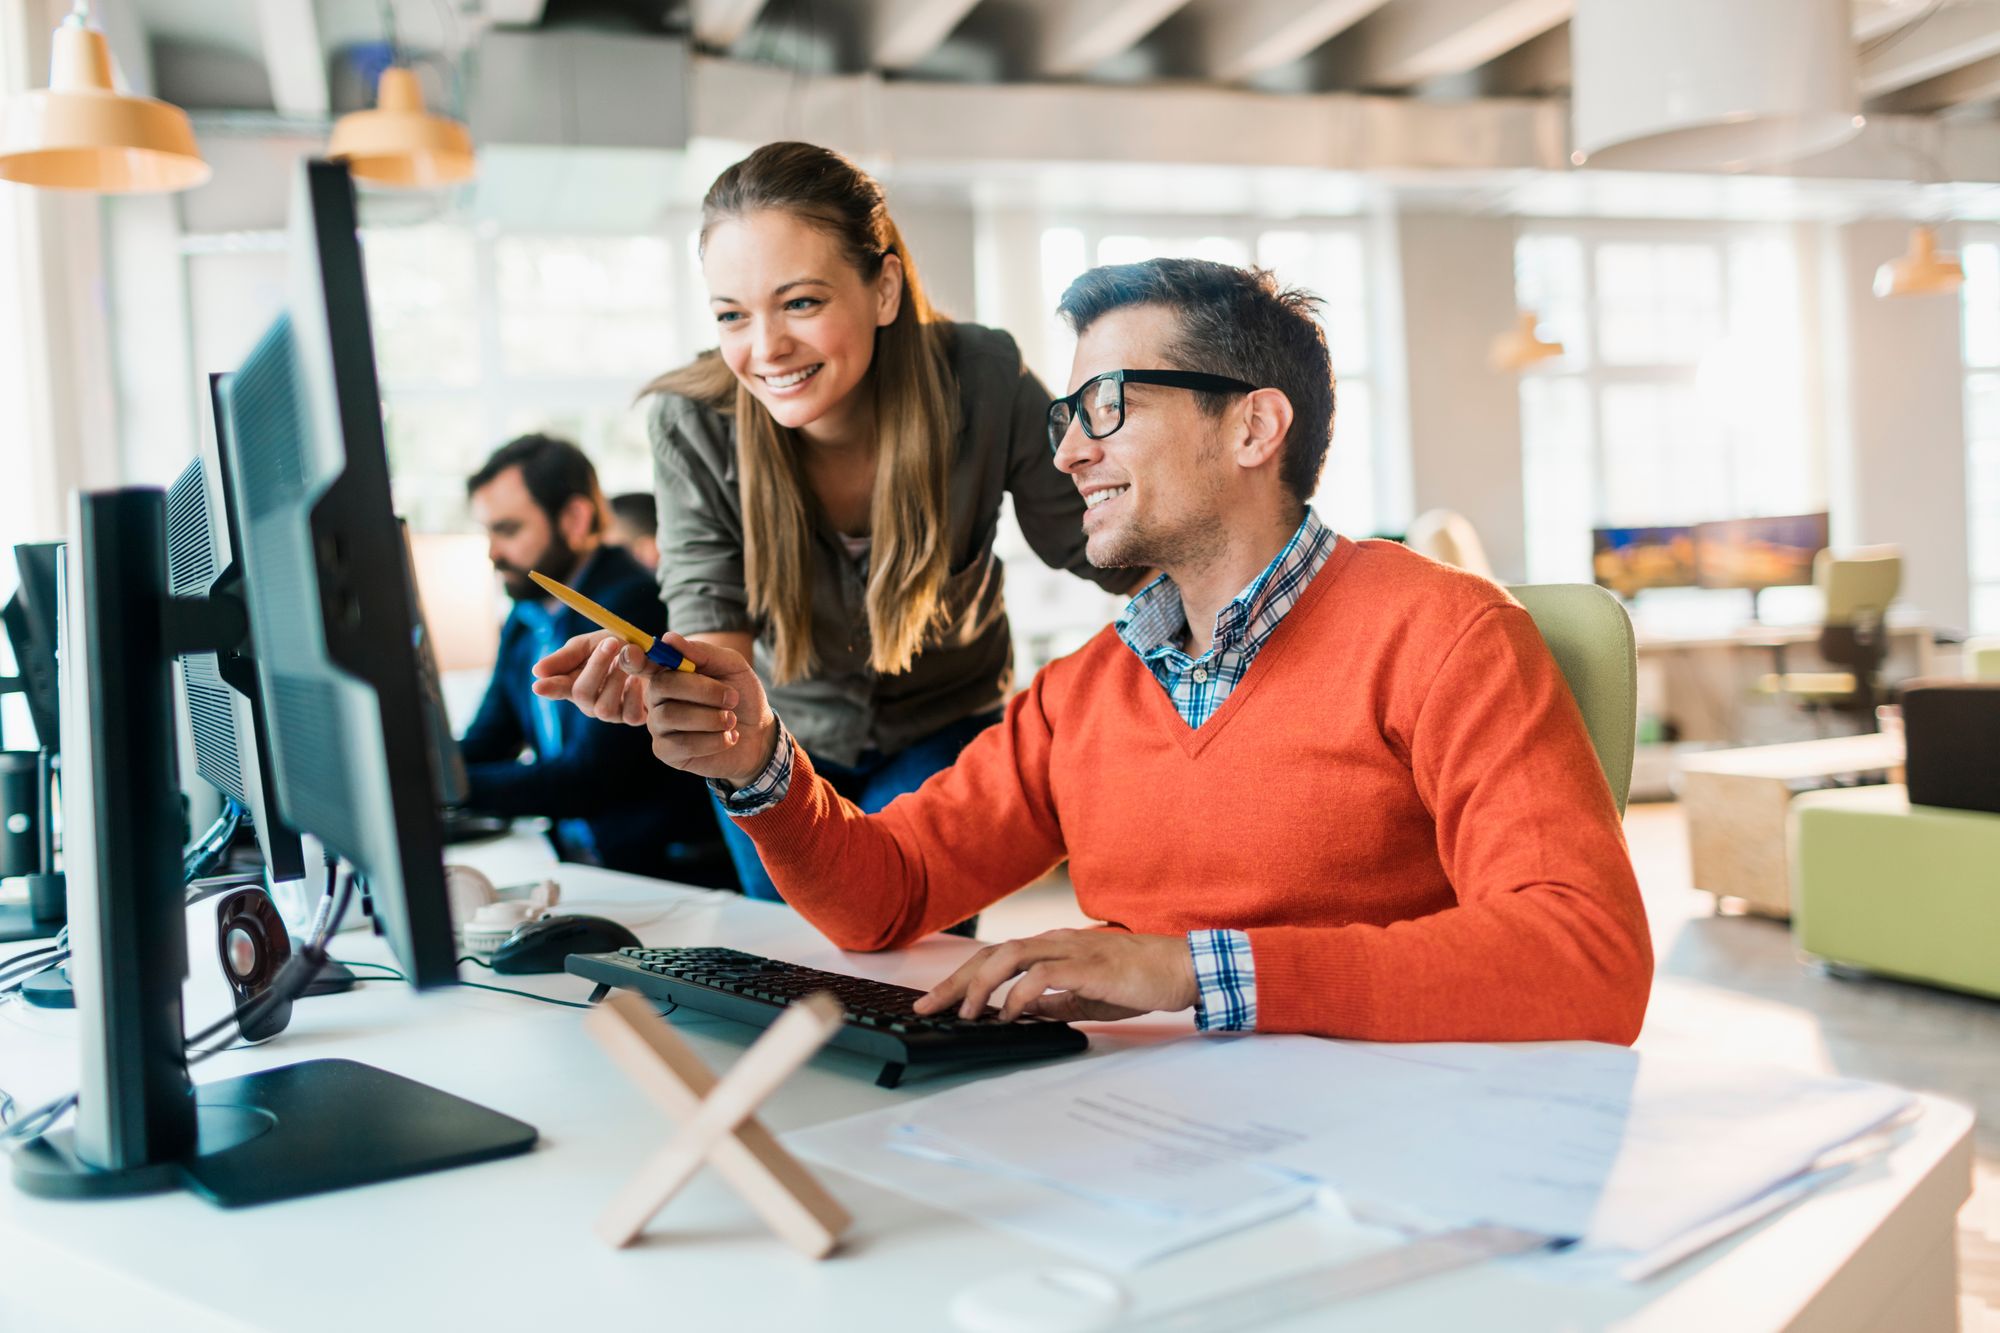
[(585, 672)]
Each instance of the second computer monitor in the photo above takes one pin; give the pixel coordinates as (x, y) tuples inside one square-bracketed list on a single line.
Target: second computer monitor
[(329, 598), (227, 718)]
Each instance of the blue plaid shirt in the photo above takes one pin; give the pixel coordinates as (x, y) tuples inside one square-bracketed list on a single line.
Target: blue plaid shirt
[(1154, 625)]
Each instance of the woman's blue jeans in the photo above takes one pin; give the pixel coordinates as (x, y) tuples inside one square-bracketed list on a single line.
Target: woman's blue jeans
[(875, 780)]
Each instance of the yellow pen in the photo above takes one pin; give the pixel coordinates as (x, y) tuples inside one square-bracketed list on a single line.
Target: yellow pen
[(617, 624)]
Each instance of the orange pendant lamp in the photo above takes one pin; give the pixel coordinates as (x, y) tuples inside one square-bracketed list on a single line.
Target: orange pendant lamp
[(1923, 270), (81, 133), (399, 144)]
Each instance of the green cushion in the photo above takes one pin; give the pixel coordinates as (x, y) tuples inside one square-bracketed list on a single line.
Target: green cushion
[(1908, 891), (1590, 636)]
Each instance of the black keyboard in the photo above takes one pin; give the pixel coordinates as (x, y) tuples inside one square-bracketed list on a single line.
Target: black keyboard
[(880, 1022)]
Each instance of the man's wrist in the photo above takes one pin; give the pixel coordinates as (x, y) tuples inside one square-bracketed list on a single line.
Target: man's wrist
[(765, 753)]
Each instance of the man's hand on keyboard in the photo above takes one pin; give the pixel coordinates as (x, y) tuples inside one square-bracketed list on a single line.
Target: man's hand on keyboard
[(1073, 975)]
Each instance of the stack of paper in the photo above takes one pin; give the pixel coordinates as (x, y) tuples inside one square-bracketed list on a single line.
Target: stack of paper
[(1133, 1155)]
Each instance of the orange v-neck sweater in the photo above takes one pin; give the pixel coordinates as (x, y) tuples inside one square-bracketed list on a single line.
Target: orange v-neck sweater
[(1398, 802)]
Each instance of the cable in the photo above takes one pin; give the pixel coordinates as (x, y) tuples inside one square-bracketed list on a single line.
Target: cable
[(293, 977), (528, 995), (6, 1107), (11, 982)]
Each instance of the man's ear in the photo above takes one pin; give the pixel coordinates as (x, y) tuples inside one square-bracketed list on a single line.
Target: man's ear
[(888, 290), (579, 513), (1266, 420)]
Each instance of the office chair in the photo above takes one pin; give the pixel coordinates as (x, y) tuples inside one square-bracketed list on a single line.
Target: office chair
[(1858, 587), (1449, 538), (1590, 636), (1982, 658)]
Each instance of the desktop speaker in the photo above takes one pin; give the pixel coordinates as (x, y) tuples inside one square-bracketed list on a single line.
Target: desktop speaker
[(1951, 733), (236, 945)]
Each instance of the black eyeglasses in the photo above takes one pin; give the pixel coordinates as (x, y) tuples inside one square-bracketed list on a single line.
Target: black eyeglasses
[(1099, 403)]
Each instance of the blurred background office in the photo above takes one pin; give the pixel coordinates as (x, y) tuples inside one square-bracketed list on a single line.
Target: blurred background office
[(1697, 300)]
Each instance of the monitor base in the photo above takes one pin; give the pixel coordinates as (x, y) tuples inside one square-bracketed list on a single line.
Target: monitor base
[(288, 1132)]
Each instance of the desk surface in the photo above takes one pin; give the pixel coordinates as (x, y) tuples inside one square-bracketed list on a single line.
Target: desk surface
[(508, 1245)]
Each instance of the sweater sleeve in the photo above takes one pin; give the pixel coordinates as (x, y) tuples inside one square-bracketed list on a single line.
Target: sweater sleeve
[(967, 838), (1548, 939)]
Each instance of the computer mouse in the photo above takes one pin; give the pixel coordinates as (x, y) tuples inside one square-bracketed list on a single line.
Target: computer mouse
[(543, 946)]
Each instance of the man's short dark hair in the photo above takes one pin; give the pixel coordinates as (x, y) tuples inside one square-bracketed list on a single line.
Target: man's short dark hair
[(636, 510), (1237, 322), (554, 471)]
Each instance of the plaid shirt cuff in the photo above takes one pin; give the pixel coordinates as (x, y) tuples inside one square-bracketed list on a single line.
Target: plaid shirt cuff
[(1226, 977), (770, 786)]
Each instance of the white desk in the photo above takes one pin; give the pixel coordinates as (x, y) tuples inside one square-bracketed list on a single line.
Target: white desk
[(507, 1245)]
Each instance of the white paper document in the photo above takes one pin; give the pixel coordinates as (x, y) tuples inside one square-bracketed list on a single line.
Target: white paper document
[(1147, 1151)]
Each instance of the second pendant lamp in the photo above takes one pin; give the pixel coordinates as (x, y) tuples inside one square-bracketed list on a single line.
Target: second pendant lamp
[(399, 143)]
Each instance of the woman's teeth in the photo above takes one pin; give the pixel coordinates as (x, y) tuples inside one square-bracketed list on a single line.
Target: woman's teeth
[(792, 378)]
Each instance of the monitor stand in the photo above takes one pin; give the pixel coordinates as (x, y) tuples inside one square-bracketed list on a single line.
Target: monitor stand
[(141, 1124), (285, 1133)]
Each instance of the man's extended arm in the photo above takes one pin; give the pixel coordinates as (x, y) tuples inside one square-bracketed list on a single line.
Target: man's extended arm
[(971, 835)]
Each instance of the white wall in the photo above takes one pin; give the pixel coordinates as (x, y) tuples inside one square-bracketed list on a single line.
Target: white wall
[(1897, 473), (1464, 416)]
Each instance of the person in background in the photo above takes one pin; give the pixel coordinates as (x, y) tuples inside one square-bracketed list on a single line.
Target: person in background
[(613, 805), (830, 483), (635, 525)]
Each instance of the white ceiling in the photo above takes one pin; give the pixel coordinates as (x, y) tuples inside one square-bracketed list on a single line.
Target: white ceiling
[(1916, 55)]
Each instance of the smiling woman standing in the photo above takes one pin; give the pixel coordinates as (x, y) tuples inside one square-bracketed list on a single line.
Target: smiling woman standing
[(829, 483)]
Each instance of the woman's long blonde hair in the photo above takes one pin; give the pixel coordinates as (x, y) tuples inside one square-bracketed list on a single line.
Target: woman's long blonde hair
[(915, 416)]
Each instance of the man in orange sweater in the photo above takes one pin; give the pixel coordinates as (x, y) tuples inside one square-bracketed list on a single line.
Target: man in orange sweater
[(1310, 784)]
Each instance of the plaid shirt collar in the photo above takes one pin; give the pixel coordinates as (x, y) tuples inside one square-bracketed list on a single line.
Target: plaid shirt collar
[(1154, 623)]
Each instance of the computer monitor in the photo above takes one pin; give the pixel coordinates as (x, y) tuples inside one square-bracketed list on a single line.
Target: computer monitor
[(225, 708), (325, 599), (1630, 560), (454, 783), (1758, 553), (30, 620)]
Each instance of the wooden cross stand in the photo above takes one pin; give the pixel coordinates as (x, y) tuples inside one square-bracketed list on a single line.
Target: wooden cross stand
[(718, 1120)]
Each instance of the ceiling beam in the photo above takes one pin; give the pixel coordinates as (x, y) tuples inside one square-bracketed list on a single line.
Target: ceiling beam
[(1082, 34), (294, 59), (1977, 82), (1952, 37), (906, 31), (1246, 37), (1414, 40), (721, 23)]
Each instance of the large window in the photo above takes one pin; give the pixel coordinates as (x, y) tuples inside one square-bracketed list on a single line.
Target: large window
[(1982, 428), (484, 337), (1681, 392)]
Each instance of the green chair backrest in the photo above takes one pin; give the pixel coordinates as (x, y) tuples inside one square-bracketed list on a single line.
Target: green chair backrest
[(1590, 636), (1859, 584), (1982, 658)]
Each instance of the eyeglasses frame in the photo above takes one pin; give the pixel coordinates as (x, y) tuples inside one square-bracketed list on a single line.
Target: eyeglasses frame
[(1198, 380)]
